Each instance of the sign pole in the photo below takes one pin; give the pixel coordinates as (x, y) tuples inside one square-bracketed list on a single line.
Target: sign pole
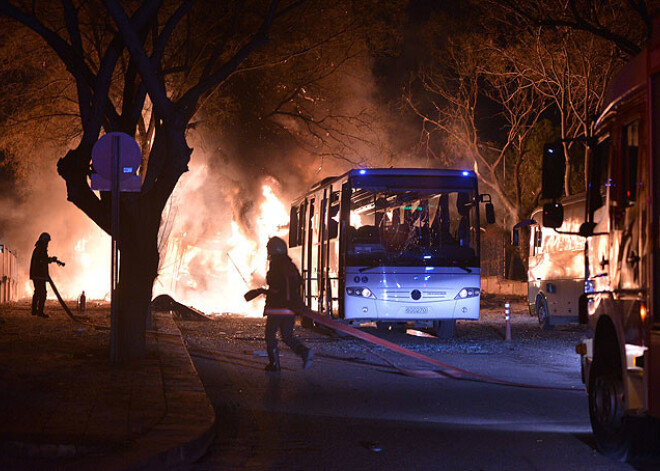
[(115, 353)]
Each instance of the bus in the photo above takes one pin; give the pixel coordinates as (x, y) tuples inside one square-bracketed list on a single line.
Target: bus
[(391, 246), (620, 355), (555, 273)]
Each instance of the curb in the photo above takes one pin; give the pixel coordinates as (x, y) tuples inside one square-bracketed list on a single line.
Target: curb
[(187, 403), (188, 426)]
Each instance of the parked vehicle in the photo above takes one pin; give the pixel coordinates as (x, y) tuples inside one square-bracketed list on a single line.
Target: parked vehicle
[(555, 274), (621, 355)]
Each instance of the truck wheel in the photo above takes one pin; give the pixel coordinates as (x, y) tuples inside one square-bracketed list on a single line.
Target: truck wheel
[(612, 429), (542, 313), (444, 329)]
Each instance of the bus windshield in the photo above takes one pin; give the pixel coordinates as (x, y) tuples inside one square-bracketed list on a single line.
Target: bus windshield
[(413, 227)]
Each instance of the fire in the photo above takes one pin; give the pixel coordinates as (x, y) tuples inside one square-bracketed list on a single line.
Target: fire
[(211, 273), (87, 268)]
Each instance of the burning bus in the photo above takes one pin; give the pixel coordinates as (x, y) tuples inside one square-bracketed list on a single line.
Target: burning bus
[(621, 302), (392, 246)]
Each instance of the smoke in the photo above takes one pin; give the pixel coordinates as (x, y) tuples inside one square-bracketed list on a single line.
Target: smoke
[(38, 205), (243, 175)]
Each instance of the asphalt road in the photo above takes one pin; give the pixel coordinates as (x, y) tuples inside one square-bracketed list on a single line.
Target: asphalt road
[(354, 410)]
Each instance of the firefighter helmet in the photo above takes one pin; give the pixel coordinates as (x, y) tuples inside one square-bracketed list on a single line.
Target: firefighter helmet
[(44, 237), (276, 246)]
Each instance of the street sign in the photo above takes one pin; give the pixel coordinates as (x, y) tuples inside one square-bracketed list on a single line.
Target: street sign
[(130, 158)]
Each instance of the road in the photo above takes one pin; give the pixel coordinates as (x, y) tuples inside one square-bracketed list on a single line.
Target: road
[(355, 410)]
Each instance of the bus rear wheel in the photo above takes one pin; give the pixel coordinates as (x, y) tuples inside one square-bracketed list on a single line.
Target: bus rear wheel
[(444, 329), (542, 313), (612, 429)]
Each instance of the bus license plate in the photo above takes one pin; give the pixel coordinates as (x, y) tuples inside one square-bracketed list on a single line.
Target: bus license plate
[(417, 310)]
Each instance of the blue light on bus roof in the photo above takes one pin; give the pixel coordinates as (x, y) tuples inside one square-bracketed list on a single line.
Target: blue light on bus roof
[(362, 171), (427, 257), (465, 173)]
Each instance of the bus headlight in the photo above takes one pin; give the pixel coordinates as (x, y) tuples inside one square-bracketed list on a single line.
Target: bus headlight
[(467, 293), (360, 292)]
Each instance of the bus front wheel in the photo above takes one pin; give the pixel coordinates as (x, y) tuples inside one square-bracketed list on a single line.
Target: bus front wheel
[(542, 313), (444, 329)]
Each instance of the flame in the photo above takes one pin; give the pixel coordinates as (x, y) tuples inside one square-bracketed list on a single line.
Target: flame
[(87, 268), (212, 274)]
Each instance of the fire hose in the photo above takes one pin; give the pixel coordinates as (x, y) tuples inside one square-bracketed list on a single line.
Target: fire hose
[(89, 324), (447, 370), (68, 311)]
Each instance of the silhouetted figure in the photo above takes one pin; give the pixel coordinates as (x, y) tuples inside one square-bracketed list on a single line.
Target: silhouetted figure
[(39, 273), (283, 297), (82, 302)]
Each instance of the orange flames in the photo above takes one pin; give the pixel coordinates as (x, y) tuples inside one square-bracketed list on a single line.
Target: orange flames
[(212, 273), (209, 260)]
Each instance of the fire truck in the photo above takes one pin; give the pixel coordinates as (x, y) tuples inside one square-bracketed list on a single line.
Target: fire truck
[(621, 303)]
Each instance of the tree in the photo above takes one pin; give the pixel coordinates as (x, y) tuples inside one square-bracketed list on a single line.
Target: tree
[(571, 50), (144, 70), (626, 24), (477, 76)]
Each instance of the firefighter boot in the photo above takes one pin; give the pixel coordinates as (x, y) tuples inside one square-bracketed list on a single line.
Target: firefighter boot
[(274, 360)]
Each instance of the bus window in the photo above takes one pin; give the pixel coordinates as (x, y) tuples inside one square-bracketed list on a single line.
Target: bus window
[(293, 227), (333, 216), (630, 151), (412, 227)]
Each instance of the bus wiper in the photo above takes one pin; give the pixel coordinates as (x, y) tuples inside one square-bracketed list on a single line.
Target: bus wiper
[(374, 264)]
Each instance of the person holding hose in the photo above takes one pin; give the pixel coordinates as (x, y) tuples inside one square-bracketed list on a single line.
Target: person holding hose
[(39, 273), (283, 298)]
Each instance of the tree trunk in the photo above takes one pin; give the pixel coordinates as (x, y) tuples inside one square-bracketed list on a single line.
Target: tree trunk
[(138, 268), (140, 220)]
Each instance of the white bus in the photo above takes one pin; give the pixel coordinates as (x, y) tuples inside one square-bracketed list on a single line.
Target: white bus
[(555, 275), (391, 246)]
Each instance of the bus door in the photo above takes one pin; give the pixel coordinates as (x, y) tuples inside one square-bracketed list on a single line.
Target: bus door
[(321, 251), (332, 253), (308, 252), (344, 223)]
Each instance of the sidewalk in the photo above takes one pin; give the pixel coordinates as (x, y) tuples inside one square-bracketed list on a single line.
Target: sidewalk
[(64, 406)]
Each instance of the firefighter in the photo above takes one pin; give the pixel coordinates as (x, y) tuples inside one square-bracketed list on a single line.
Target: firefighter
[(283, 297), (39, 273)]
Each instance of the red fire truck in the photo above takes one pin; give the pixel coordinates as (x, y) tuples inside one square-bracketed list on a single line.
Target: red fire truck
[(621, 304)]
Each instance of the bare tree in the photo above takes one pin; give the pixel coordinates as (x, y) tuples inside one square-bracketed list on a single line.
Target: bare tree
[(571, 69), (124, 62), (147, 69), (476, 72), (624, 23)]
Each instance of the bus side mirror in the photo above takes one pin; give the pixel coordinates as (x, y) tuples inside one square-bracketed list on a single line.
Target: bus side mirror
[(490, 213), (554, 169), (515, 236), (490, 209), (553, 215)]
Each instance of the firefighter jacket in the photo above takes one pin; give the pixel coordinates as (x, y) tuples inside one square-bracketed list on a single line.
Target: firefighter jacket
[(284, 295), (39, 262)]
